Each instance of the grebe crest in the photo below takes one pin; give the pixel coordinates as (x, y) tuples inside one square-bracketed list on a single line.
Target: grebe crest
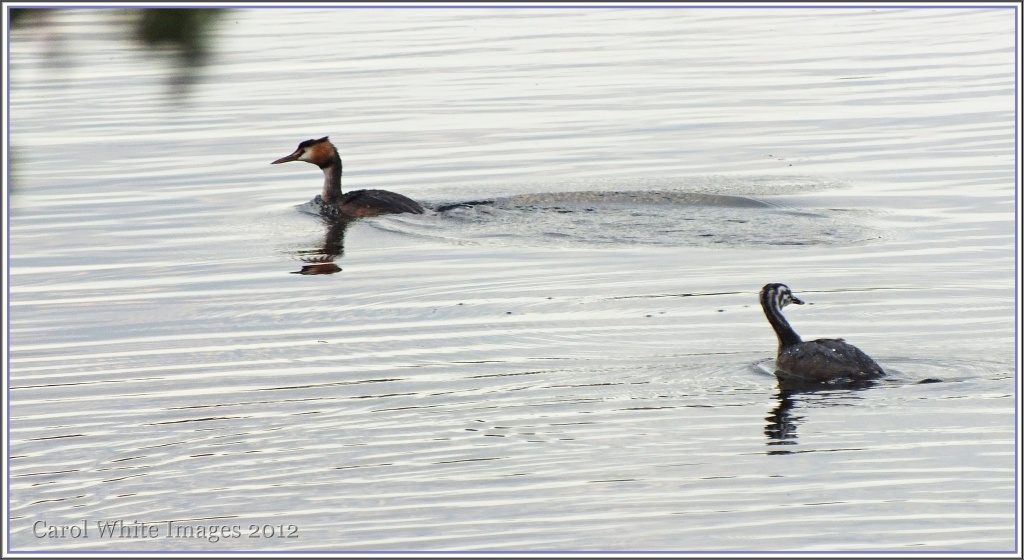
[(354, 204), (825, 359)]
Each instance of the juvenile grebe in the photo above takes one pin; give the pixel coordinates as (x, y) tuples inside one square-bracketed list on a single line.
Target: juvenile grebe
[(353, 204), (825, 359)]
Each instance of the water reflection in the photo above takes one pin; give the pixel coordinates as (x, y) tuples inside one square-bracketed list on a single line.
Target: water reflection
[(781, 428), (321, 258), (187, 33)]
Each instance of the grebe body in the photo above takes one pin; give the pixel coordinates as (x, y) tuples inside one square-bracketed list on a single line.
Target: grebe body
[(825, 359), (353, 204)]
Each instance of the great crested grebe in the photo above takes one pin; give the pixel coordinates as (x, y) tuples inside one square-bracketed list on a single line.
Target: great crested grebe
[(353, 204), (825, 359)]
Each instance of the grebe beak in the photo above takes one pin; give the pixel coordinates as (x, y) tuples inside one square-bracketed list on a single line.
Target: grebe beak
[(794, 299), (294, 156)]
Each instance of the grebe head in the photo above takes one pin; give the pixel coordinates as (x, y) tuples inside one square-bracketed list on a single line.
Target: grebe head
[(778, 296), (319, 152)]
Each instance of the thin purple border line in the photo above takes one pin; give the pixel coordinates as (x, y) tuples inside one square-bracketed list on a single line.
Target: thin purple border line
[(515, 5), (1017, 335), (1017, 286)]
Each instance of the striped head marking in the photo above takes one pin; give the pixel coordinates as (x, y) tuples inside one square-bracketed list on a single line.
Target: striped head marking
[(779, 295)]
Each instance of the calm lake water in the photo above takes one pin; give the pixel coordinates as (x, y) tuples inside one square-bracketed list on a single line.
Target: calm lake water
[(579, 365)]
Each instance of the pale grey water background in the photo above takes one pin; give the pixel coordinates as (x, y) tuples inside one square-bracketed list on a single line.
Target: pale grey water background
[(543, 373)]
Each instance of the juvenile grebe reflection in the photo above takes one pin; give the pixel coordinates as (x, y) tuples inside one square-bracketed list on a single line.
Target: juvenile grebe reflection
[(782, 422), (781, 427)]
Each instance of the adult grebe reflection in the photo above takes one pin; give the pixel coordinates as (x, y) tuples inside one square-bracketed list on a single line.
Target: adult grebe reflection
[(781, 428), (321, 259)]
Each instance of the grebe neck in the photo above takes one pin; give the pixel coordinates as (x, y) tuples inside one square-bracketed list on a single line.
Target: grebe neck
[(787, 336), (332, 180)]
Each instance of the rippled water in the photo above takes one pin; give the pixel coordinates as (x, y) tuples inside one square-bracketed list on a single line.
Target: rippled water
[(566, 353)]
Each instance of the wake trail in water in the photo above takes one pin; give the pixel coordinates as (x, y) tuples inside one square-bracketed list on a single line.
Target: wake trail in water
[(706, 214)]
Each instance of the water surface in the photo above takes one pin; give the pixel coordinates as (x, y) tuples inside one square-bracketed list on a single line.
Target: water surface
[(566, 353)]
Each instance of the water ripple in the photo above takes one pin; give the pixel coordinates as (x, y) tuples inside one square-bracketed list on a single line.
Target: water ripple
[(567, 353)]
